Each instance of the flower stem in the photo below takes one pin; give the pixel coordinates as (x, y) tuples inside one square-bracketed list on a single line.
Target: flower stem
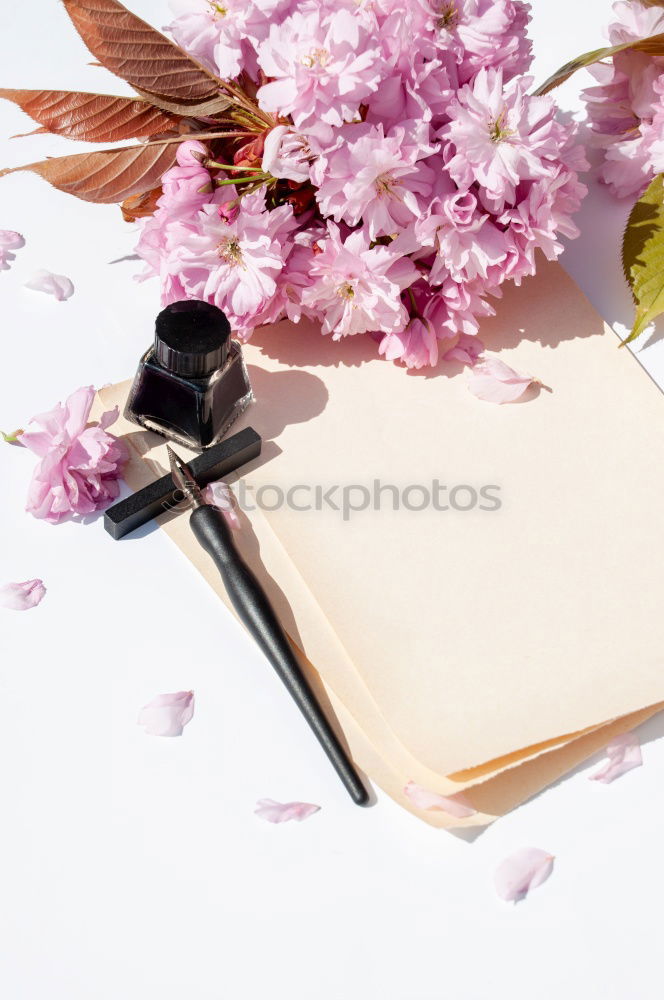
[(413, 304), (243, 180), (227, 166)]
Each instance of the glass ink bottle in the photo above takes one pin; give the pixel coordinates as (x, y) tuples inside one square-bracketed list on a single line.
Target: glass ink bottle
[(192, 383)]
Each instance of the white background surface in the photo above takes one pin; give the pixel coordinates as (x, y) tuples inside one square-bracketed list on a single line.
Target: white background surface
[(133, 868)]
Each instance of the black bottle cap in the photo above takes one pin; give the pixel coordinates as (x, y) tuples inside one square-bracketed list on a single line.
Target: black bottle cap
[(192, 338)]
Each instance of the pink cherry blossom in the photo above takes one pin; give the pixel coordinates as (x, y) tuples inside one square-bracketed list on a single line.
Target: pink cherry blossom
[(356, 287), (494, 381), (480, 33), (283, 812), (190, 177), (456, 308), (456, 805), (626, 113), (521, 872), (288, 154), (623, 754), (321, 65), (293, 279), (626, 107), (538, 222), (185, 189), (416, 345), (167, 714), (467, 242), (628, 167), (654, 136), (375, 178), (398, 25), (634, 21), (234, 264), (57, 285), (80, 463), (420, 90), (198, 28), (22, 596), (608, 104), (501, 137), (400, 150), (223, 34), (9, 241)]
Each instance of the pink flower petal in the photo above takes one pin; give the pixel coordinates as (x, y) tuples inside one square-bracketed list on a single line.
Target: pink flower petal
[(624, 754), (22, 596), (282, 812), (220, 495), (57, 285), (167, 714), (495, 382), (521, 872), (108, 418), (467, 350), (422, 798), (77, 410), (9, 241)]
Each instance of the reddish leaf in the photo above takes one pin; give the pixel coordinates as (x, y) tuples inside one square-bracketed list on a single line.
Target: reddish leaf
[(91, 117), (139, 54), (107, 176), (652, 45), (193, 109), (140, 206)]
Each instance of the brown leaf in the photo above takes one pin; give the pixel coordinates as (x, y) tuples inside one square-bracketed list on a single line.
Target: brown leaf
[(140, 206), (107, 176), (136, 52), (91, 117), (653, 45), (192, 109)]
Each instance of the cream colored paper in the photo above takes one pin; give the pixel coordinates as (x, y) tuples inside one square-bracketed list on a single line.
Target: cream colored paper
[(300, 614), (465, 640), (501, 794), (480, 633)]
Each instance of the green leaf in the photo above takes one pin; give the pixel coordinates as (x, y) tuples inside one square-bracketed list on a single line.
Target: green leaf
[(653, 45), (643, 256)]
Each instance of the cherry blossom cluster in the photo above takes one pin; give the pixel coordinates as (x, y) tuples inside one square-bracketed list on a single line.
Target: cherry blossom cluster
[(626, 108), (399, 172)]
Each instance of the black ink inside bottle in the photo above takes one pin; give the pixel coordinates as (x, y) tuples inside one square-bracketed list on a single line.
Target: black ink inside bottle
[(192, 383)]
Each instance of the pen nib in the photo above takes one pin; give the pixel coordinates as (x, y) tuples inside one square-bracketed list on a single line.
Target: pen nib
[(183, 479)]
